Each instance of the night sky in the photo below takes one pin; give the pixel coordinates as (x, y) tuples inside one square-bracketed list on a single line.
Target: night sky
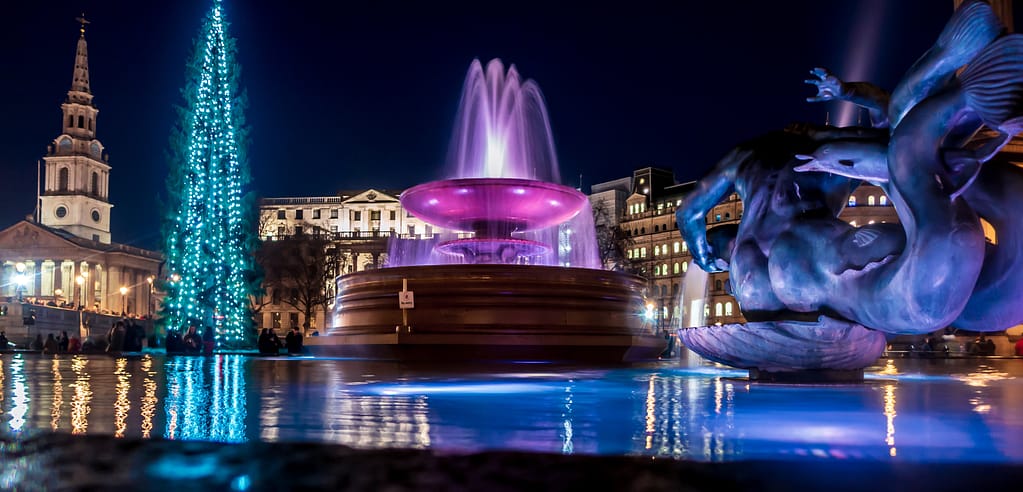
[(349, 95)]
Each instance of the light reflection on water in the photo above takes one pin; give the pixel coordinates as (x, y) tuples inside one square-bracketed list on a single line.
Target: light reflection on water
[(908, 410)]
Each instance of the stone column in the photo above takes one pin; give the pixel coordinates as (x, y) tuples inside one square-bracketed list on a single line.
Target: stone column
[(47, 278)]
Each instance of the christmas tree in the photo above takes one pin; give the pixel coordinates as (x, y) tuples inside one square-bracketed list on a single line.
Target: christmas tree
[(208, 235)]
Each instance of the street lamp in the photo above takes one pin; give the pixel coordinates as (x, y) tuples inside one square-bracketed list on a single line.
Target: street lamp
[(80, 280), (124, 290), (149, 298), (20, 280)]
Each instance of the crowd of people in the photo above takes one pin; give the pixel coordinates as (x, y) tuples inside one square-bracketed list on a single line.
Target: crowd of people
[(192, 342)]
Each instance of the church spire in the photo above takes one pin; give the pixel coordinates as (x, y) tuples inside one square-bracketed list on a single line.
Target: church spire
[(80, 83)]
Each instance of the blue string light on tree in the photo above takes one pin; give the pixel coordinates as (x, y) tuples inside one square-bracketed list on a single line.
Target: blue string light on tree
[(208, 234)]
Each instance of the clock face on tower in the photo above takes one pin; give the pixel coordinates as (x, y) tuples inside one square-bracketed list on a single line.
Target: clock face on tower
[(61, 212), (95, 215)]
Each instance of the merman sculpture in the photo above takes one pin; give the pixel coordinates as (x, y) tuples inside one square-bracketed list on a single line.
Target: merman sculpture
[(816, 288)]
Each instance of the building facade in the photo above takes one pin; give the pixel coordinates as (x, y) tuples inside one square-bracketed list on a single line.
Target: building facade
[(359, 223)]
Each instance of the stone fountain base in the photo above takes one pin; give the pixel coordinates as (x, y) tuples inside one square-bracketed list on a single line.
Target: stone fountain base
[(492, 312), (827, 350)]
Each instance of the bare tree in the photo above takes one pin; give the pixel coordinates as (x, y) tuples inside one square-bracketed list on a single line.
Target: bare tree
[(301, 268), (612, 242)]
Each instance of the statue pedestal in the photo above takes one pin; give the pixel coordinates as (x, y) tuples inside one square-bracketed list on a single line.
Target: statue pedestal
[(822, 350), (810, 376)]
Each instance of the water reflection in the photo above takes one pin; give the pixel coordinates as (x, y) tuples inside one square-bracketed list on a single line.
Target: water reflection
[(81, 396), (121, 405), (945, 410), (19, 394)]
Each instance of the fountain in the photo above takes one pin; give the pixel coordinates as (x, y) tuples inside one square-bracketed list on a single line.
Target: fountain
[(516, 275)]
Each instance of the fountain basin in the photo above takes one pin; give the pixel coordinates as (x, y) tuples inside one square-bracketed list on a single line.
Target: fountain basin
[(492, 312), (493, 207)]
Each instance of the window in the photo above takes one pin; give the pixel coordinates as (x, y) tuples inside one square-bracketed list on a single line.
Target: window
[(62, 179), (664, 269), (642, 230), (678, 246), (870, 200), (294, 296), (678, 267), (357, 215), (298, 214), (275, 319), (275, 296), (411, 230), (657, 270), (717, 286), (394, 215), (70, 121), (428, 230), (728, 308), (728, 216), (852, 200), (685, 247), (280, 231), (316, 213), (293, 319), (333, 213), (630, 254), (61, 212), (883, 201), (374, 215), (298, 230), (717, 218), (717, 309), (95, 184), (280, 214), (81, 121), (685, 267), (642, 252), (664, 248), (90, 123), (630, 209), (657, 250)]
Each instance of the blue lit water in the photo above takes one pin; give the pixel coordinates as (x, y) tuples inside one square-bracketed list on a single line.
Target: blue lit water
[(907, 410)]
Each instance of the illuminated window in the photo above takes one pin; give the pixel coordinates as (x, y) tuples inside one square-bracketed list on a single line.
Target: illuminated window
[(717, 218), (657, 250), (685, 267), (852, 201), (870, 200), (678, 246), (717, 309), (664, 248), (728, 308), (685, 247), (630, 254), (642, 252), (883, 200), (678, 267), (664, 268), (657, 270)]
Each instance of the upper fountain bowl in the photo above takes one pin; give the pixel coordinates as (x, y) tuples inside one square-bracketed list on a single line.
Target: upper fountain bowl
[(493, 206)]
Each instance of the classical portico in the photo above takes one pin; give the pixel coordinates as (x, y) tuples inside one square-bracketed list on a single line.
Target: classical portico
[(50, 264)]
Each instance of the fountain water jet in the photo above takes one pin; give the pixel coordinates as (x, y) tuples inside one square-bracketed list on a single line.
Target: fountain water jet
[(521, 279)]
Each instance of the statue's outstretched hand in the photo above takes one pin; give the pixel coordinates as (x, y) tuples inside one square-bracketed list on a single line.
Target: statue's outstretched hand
[(828, 86)]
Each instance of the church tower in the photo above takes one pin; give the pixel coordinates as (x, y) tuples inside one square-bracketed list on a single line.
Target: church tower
[(75, 194)]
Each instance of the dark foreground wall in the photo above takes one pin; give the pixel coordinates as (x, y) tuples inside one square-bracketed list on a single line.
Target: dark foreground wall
[(65, 462)]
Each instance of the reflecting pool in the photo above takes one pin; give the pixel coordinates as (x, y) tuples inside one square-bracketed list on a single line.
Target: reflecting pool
[(907, 410)]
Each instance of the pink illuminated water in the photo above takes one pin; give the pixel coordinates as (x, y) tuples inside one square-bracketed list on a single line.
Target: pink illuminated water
[(502, 201)]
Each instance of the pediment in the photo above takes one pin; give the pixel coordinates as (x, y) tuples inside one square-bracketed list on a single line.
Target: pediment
[(26, 236), (371, 196)]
